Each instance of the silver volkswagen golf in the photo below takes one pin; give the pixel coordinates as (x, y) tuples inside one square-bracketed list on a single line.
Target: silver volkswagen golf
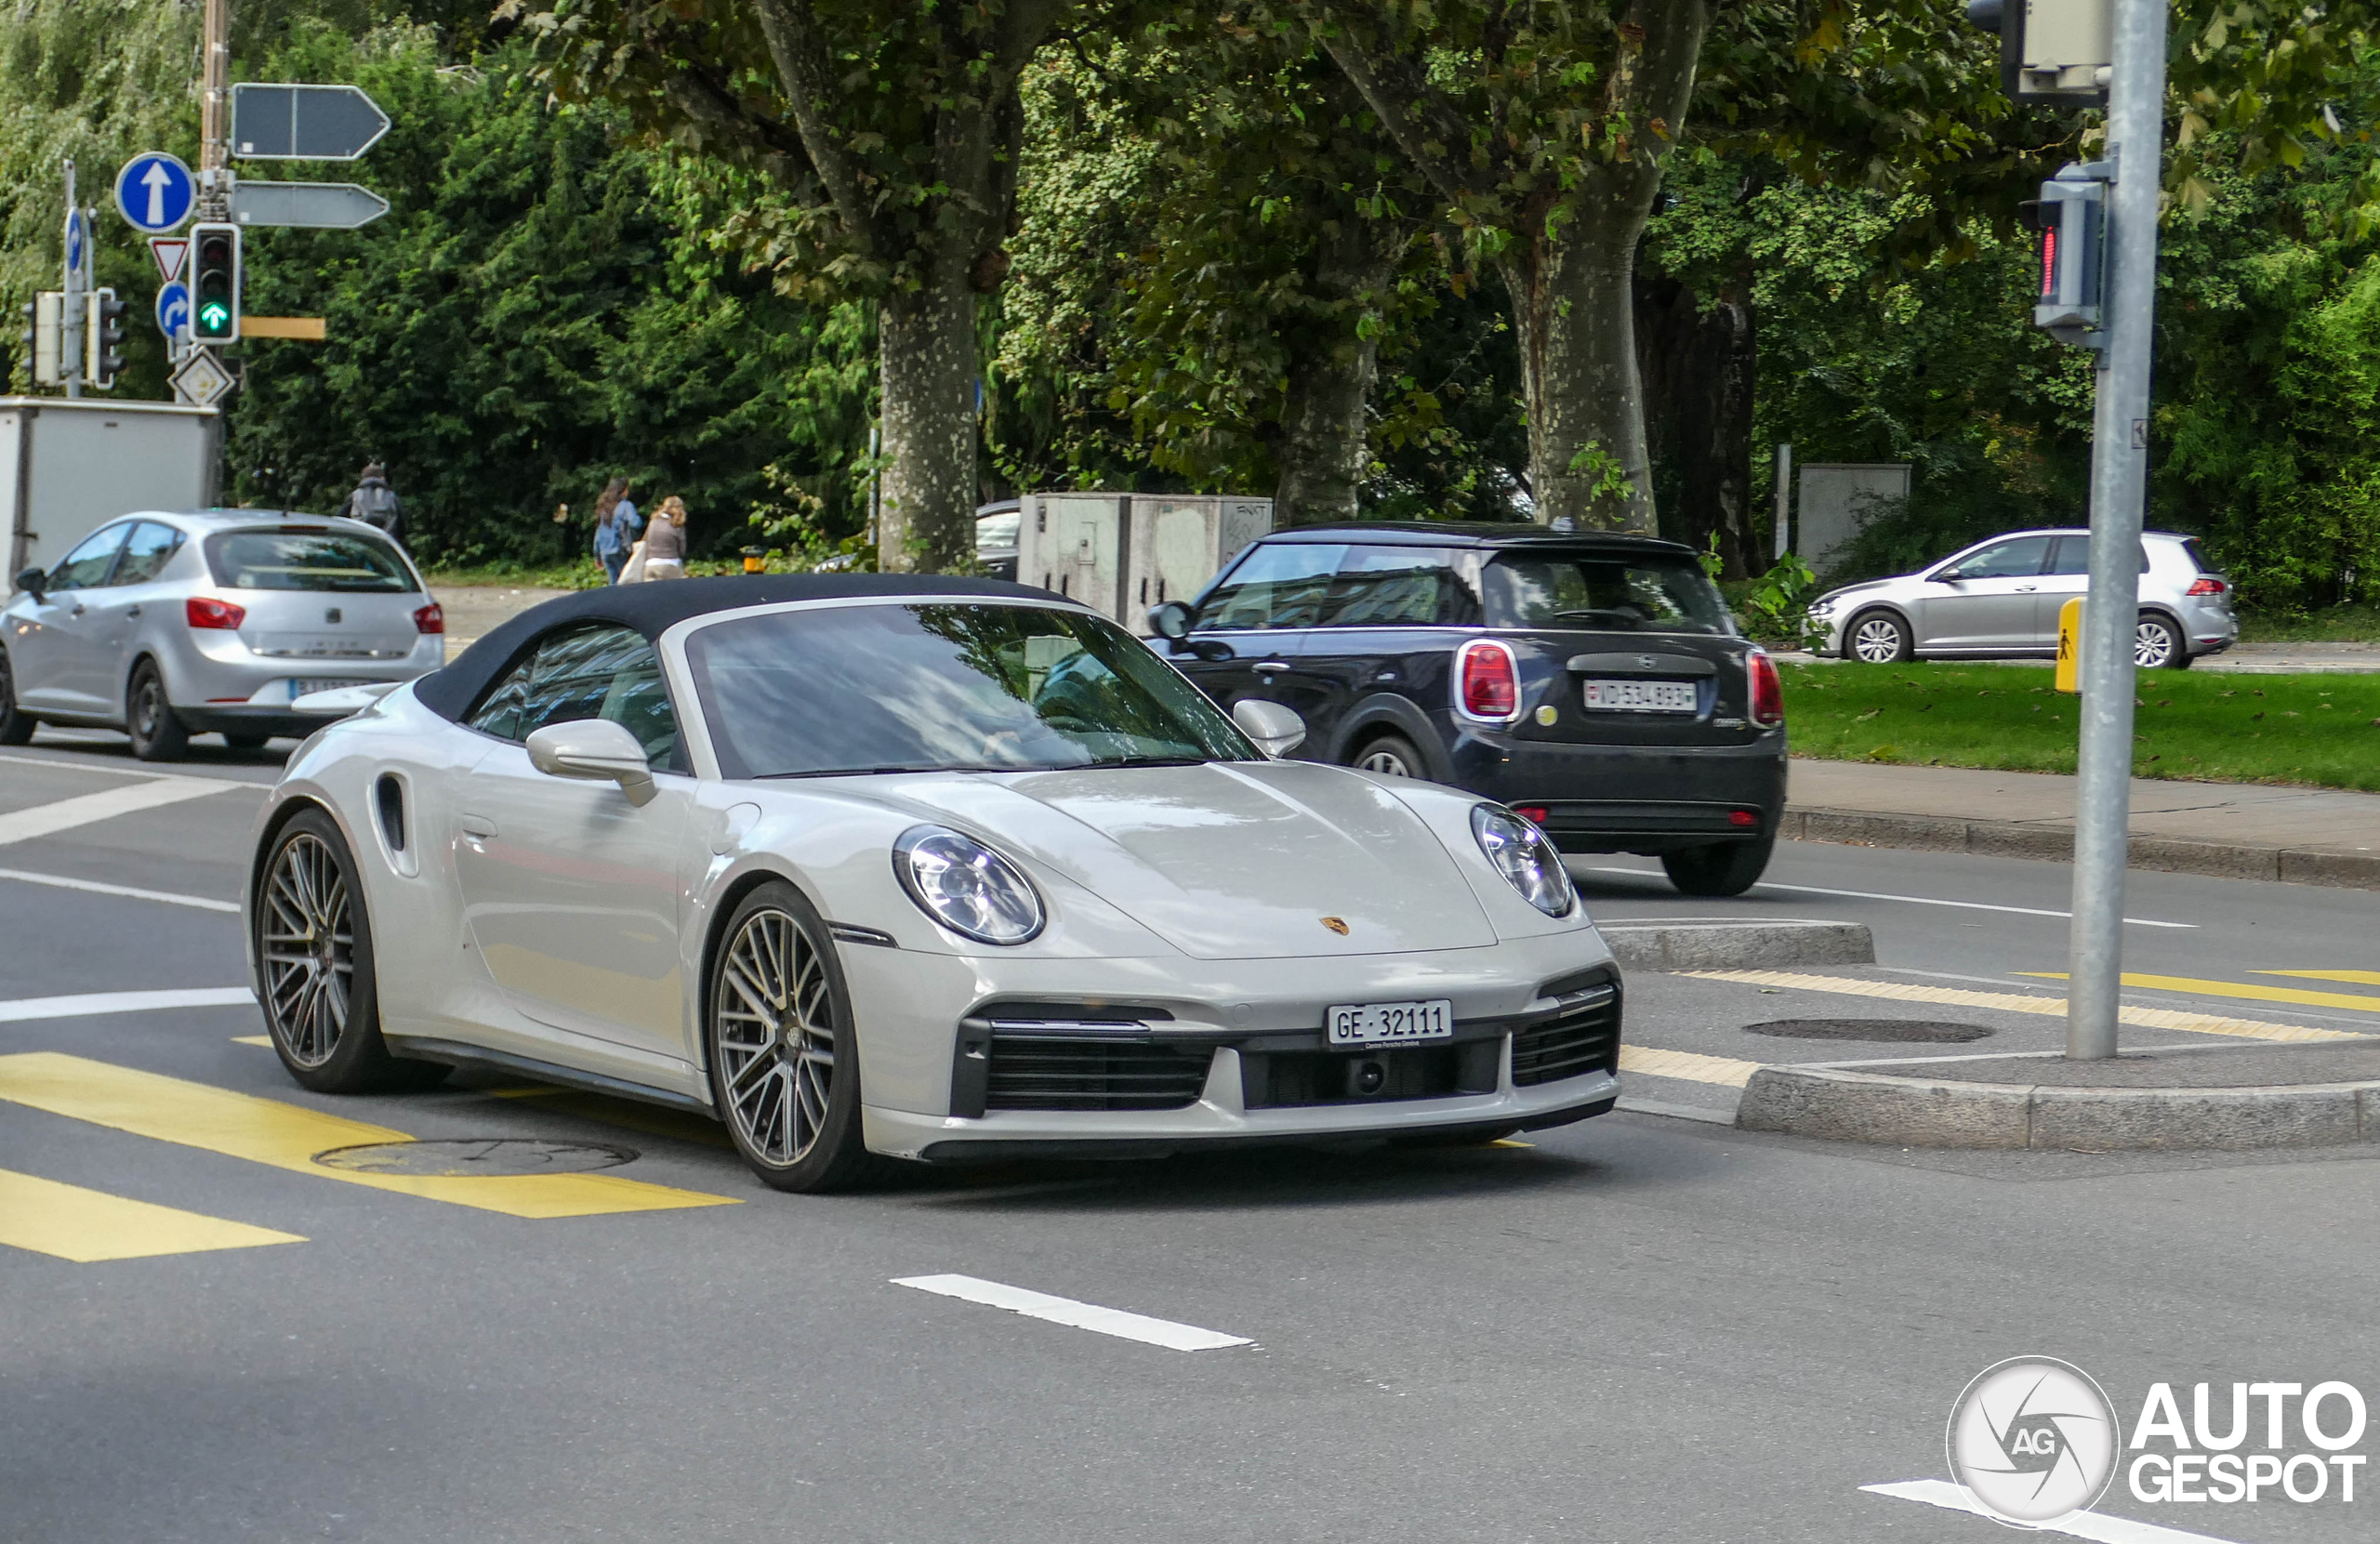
[(169, 625), (2000, 599)]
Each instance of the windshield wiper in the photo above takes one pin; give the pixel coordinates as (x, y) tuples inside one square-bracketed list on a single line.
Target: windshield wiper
[(870, 771), (1147, 761)]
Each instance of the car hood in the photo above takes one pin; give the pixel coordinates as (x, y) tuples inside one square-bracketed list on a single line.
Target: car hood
[(1228, 859), (1861, 589)]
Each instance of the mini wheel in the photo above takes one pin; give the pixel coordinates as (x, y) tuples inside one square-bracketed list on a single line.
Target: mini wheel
[(1719, 868), (1391, 756)]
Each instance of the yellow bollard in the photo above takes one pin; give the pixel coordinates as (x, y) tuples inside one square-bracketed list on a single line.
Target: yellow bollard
[(2069, 645)]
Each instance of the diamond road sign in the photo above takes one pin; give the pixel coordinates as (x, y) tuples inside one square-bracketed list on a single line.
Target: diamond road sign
[(202, 381), (304, 123), (320, 205)]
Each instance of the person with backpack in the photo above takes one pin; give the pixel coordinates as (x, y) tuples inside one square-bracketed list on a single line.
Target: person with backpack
[(616, 524), (374, 503)]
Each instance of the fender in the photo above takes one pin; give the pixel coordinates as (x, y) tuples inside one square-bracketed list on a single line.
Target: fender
[(1390, 709)]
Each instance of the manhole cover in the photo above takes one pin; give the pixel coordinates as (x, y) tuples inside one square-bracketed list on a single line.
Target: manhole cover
[(1899, 1030), (475, 1156)]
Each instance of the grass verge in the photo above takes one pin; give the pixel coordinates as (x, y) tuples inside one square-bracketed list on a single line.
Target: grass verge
[(2330, 625), (2320, 729)]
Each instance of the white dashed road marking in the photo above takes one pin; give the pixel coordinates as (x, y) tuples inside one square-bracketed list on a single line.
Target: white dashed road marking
[(123, 1002), (1909, 900), (1079, 1315), (2087, 1525), (48, 820), (128, 892)]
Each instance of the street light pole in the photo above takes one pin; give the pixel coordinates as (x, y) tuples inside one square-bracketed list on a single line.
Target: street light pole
[(214, 112), (2118, 498)]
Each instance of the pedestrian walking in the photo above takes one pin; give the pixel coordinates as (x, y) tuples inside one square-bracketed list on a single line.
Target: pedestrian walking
[(616, 526), (665, 541), (377, 504)]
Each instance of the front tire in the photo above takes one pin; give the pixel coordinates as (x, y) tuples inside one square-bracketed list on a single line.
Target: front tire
[(784, 1056), (1391, 756), (1719, 868), (2156, 644), (1878, 637), (15, 727), (315, 976), (158, 732)]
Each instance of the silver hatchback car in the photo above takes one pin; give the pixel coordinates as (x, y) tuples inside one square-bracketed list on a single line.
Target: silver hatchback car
[(169, 625), (2000, 599)]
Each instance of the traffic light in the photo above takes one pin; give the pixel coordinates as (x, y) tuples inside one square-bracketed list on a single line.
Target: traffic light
[(2051, 51), (102, 337), (214, 284), (2069, 225), (45, 336)]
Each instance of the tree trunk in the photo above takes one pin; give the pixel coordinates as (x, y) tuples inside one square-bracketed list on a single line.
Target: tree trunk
[(1697, 364), (926, 343), (1324, 442)]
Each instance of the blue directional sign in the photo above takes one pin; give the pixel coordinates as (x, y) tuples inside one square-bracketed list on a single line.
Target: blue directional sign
[(155, 191), (76, 241), (173, 309)]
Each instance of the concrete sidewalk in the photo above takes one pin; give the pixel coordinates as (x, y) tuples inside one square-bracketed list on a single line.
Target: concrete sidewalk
[(2233, 830)]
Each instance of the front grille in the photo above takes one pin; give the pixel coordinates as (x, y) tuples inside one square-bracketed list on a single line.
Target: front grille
[(1071, 1072), (1584, 1038)]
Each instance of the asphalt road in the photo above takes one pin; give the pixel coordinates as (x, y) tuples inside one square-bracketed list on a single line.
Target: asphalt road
[(1639, 1328)]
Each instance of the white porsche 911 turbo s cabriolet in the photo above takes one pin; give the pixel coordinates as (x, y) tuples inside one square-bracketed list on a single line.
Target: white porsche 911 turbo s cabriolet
[(877, 866)]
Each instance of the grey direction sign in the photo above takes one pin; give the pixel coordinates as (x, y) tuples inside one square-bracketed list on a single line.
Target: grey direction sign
[(304, 123), (323, 206)]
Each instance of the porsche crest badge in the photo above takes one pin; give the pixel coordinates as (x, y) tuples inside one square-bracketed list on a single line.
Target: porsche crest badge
[(1336, 924)]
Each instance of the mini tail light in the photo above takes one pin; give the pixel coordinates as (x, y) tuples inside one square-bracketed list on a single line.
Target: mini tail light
[(205, 610), (1488, 680), (1533, 813), (1742, 817), (1767, 691), (2207, 587), (431, 618)]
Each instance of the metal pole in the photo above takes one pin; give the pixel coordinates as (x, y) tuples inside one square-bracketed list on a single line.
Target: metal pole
[(2118, 495), (214, 112), (1784, 500), (70, 305)]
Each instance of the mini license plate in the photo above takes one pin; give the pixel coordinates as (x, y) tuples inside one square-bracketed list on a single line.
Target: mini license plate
[(1641, 696), (300, 687), (1391, 1023)]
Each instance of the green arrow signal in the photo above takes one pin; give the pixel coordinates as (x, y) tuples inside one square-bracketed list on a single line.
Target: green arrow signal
[(214, 315)]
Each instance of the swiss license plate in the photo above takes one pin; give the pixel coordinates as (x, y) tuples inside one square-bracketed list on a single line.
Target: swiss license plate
[(300, 687), (1641, 696), (1389, 1023)]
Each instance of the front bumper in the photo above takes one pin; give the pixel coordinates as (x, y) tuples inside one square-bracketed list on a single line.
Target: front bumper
[(1254, 1028)]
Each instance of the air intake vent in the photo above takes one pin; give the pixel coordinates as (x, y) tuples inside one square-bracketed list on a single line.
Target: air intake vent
[(389, 798), (1074, 1072), (1583, 1039)]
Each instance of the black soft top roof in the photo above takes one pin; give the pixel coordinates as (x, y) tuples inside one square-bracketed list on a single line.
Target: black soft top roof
[(653, 609)]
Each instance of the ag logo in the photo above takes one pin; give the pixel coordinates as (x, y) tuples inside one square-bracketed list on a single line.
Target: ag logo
[(2034, 1441)]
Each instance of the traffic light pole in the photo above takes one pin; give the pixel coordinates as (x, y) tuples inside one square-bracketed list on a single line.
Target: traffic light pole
[(2118, 498), (214, 112)]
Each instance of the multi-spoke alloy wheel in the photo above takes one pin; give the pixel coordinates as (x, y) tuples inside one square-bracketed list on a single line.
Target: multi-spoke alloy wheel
[(1879, 640), (307, 934), (1390, 757), (2156, 645), (783, 1074)]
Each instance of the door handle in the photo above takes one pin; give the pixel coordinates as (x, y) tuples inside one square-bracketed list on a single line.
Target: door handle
[(1273, 664), (2026, 589), (132, 611), (477, 826), (77, 611)]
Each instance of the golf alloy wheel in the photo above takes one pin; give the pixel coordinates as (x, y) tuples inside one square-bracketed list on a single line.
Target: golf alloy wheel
[(1879, 640), (2155, 644), (308, 940), (777, 1039)]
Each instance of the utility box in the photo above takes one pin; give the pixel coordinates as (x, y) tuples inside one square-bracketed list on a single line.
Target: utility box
[(67, 467), (1122, 553)]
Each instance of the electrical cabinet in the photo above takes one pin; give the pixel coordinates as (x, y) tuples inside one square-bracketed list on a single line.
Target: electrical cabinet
[(1122, 553)]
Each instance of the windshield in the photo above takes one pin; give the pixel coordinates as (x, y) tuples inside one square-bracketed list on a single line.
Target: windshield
[(944, 687), (1648, 592), (306, 560)]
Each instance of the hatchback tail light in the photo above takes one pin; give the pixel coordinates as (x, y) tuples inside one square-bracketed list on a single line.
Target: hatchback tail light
[(205, 610), (2206, 585), (431, 618), (1488, 680), (1767, 691)]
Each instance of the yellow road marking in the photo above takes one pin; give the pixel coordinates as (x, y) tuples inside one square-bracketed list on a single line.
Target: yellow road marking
[(2362, 978), (288, 1135), (1686, 1065), (264, 1040), (2235, 989), (86, 1225), (1507, 1142), (2016, 1002)]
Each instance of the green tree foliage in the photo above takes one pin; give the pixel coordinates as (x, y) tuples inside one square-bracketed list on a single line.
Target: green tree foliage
[(540, 309)]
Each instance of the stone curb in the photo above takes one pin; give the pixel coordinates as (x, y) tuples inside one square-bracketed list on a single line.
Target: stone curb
[(2009, 838), (1704, 946), (1919, 1112)]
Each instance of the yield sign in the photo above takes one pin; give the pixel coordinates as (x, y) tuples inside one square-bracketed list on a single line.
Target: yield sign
[(170, 251)]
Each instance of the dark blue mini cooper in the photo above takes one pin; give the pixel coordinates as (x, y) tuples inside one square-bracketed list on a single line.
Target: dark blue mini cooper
[(1594, 683)]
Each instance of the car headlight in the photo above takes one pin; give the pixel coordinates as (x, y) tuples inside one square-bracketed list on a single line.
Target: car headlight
[(966, 886), (1520, 852), (1822, 605)]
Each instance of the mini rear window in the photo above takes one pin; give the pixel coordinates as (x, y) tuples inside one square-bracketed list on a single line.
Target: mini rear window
[(306, 560), (1628, 592)]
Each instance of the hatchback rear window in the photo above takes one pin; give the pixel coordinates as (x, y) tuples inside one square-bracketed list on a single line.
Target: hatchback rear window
[(302, 559), (1602, 592)]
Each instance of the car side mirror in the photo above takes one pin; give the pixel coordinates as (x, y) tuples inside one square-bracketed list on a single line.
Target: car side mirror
[(1949, 575), (596, 751), (1277, 729), (35, 583), (1171, 620)]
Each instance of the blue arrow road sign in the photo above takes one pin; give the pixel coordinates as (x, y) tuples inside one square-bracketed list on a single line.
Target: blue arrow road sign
[(75, 245), (155, 191), (173, 309)]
